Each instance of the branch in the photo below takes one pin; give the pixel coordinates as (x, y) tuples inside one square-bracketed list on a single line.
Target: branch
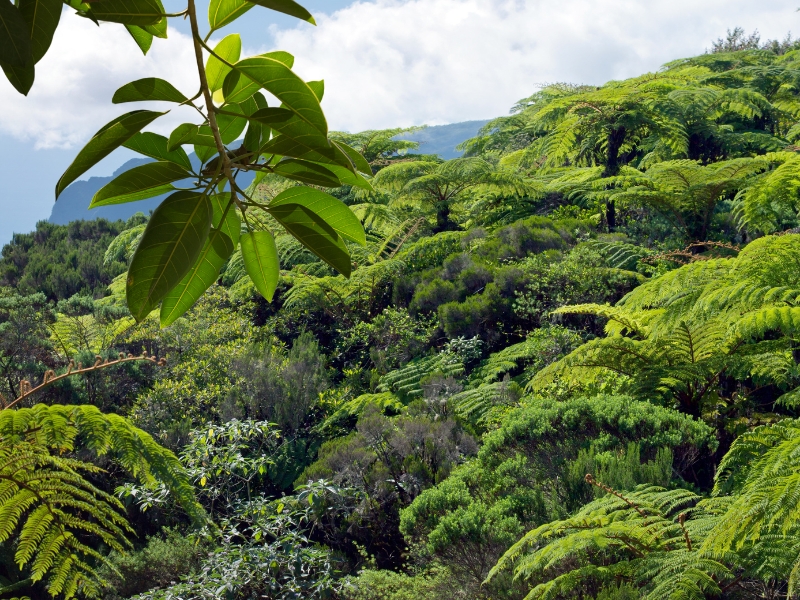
[(50, 377)]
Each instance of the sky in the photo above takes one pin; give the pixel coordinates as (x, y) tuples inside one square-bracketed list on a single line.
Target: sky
[(386, 63)]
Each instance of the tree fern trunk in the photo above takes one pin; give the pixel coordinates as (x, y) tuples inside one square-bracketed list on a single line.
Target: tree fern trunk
[(616, 137)]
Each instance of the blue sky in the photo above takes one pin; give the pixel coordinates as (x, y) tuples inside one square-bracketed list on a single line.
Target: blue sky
[(385, 62)]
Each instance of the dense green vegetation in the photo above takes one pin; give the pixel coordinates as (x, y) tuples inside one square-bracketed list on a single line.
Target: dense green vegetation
[(563, 366)]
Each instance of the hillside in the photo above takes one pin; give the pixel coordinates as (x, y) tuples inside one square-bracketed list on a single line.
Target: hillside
[(563, 365)]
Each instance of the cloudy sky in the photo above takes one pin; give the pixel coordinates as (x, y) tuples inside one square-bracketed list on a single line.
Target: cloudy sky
[(385, 63)]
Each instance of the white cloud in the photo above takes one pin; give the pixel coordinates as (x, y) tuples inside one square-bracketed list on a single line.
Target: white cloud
[(71, 97), (395, 62), (392, 62)]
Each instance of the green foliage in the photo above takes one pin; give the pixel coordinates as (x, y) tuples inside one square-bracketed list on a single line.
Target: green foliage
[(645, 537), (388, 585), (60, 261), (677, 335), (48, 502), (163, 559), (521, 475)]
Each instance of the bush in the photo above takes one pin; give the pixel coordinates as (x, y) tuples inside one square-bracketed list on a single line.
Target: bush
[(388, 585), (162, 562)]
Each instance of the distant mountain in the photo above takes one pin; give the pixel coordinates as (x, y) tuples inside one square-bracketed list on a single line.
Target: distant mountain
[(73, 204), (443, 139)]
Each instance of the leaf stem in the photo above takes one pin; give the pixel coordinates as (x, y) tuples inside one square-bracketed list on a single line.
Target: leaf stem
[(212, 118)]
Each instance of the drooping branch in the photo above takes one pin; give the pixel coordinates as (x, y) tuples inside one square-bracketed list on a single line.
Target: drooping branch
[(26, 389)]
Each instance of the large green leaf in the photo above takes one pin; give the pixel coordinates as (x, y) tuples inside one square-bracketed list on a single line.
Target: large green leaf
[(204, 153), (307, 172), (150, 88), (230, 125), (128, 12), (20, 77), (315, 234), (182, 134), (42, 17), (347, 177), (108, 139), (359, 162), (224, 12), (15, 43), (217, 249), (158, 30), (229, 49), (257, 134), (144, 181), (156, 146), (204, 137), (281, 82), (261, 261), (170, 246), (142, 38), (293, 127), (332, 210), (282, 145), (231, 225), (318, 87), (288, 7)]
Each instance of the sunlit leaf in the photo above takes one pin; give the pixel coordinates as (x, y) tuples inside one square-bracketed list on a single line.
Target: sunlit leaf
[(260, 257), (128, 12), (144, 181), (150, 88), (229, 49), (156, 146), (170, 246), (333, 211), (108, 139)]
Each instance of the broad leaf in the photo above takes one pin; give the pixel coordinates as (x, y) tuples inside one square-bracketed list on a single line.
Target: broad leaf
[(42, 17), (142, 38), (128, 12), (231, 126), (332, 210), (204, 153), (182, 134), (257, 134), (150, 88), (224, 12), (280, 56), (105, 141), (314, 233), (158, 30), (20, 77), (144, 181), (261, 261), (281, 82), (156, 146), (359, 162), (307, 172), (229, 49), (217, 249), (347, 177), (318, 87), (170, 246), (282, 145), (231, 225), (287, 7), (15, 43)]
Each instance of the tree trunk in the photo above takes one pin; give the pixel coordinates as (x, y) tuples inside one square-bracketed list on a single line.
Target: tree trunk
[(616, 137), (443, 222)]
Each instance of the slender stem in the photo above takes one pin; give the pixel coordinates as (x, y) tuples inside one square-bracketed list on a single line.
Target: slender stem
[(212, 118)]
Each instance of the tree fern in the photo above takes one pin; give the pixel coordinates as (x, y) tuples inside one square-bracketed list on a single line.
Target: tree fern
[(644, 537), (46, 503), (48, 506)]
